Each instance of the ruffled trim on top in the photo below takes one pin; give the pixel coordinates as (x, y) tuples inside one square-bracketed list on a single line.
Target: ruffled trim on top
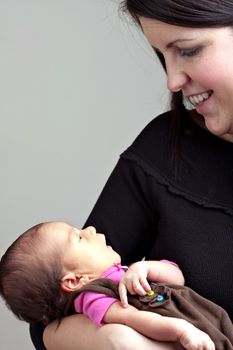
[(173, 188)]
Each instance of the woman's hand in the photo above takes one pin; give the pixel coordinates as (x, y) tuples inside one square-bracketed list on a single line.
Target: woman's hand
[(192, 338)]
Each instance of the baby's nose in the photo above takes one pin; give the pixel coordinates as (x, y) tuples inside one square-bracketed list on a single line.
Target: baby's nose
[(91, 230)]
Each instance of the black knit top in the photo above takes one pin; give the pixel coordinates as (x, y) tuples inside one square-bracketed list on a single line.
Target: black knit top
[(145, 210)]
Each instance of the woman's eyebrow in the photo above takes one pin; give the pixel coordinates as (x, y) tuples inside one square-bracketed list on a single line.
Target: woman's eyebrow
[(172, 43)]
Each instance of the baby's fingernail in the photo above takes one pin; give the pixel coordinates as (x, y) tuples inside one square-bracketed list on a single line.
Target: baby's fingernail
[(150, 293)]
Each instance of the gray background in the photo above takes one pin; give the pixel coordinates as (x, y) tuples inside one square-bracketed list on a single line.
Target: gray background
[(78, 83)]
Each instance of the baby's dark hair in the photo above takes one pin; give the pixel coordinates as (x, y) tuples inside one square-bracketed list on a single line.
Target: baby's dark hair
[(30, 276)]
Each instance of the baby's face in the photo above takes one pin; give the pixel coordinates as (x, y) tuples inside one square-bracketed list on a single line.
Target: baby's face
[(84, 251)]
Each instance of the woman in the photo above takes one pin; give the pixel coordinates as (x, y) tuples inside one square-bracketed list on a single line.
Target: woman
[(171, 194)]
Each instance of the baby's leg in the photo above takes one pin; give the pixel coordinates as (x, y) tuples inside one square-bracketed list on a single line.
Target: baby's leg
[(78, 333)]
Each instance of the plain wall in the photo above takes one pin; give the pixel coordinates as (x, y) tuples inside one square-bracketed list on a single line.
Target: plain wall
[(78, 83)]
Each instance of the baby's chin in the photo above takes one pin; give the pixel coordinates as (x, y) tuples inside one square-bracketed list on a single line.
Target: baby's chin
[(117, 258), (113, 255), (118, 261)]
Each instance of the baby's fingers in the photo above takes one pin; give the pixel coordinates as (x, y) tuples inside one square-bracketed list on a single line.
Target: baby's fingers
[(123, 294), (140, 286)]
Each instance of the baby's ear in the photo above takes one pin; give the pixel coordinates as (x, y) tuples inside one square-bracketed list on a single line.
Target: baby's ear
[(72, 282)]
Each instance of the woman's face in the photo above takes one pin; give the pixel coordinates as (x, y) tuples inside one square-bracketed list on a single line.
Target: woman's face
[(200, 63)]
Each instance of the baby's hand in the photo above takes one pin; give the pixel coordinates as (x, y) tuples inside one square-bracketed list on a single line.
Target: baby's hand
[(193, 338), (135, 281)]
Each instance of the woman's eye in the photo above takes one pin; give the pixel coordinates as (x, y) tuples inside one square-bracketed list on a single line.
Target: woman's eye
[(189, 52)]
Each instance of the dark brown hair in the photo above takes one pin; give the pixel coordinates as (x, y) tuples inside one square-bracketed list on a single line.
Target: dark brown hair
[(30, 275), (185, 13)]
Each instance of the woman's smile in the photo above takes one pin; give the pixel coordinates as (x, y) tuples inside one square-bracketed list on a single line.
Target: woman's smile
[(201, 102), (197, 99)]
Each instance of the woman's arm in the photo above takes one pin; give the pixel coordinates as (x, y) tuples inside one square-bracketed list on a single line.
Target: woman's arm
[(79, 333), (159, 327)]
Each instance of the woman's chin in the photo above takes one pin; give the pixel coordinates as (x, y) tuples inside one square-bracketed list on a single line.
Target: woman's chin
[(218, 129)]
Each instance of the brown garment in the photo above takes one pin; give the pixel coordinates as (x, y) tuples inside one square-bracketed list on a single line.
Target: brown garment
[(177, 301)]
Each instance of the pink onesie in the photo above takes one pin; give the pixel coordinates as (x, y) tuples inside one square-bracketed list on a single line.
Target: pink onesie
[(95, 305)]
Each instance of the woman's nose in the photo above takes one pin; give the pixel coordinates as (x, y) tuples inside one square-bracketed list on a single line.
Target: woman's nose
[(176, 79)]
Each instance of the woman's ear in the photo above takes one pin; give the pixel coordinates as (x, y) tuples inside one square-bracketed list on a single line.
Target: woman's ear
[(71, 282)]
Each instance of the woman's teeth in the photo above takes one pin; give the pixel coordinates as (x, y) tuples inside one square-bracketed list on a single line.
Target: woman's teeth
[(195, 100)]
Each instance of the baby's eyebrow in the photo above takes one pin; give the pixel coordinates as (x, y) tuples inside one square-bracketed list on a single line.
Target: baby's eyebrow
[(71, 233), (75, 232)]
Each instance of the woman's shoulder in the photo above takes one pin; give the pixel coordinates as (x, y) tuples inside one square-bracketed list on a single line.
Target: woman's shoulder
[(156, 140), (203, 161), (155, 133), (153, 144)]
